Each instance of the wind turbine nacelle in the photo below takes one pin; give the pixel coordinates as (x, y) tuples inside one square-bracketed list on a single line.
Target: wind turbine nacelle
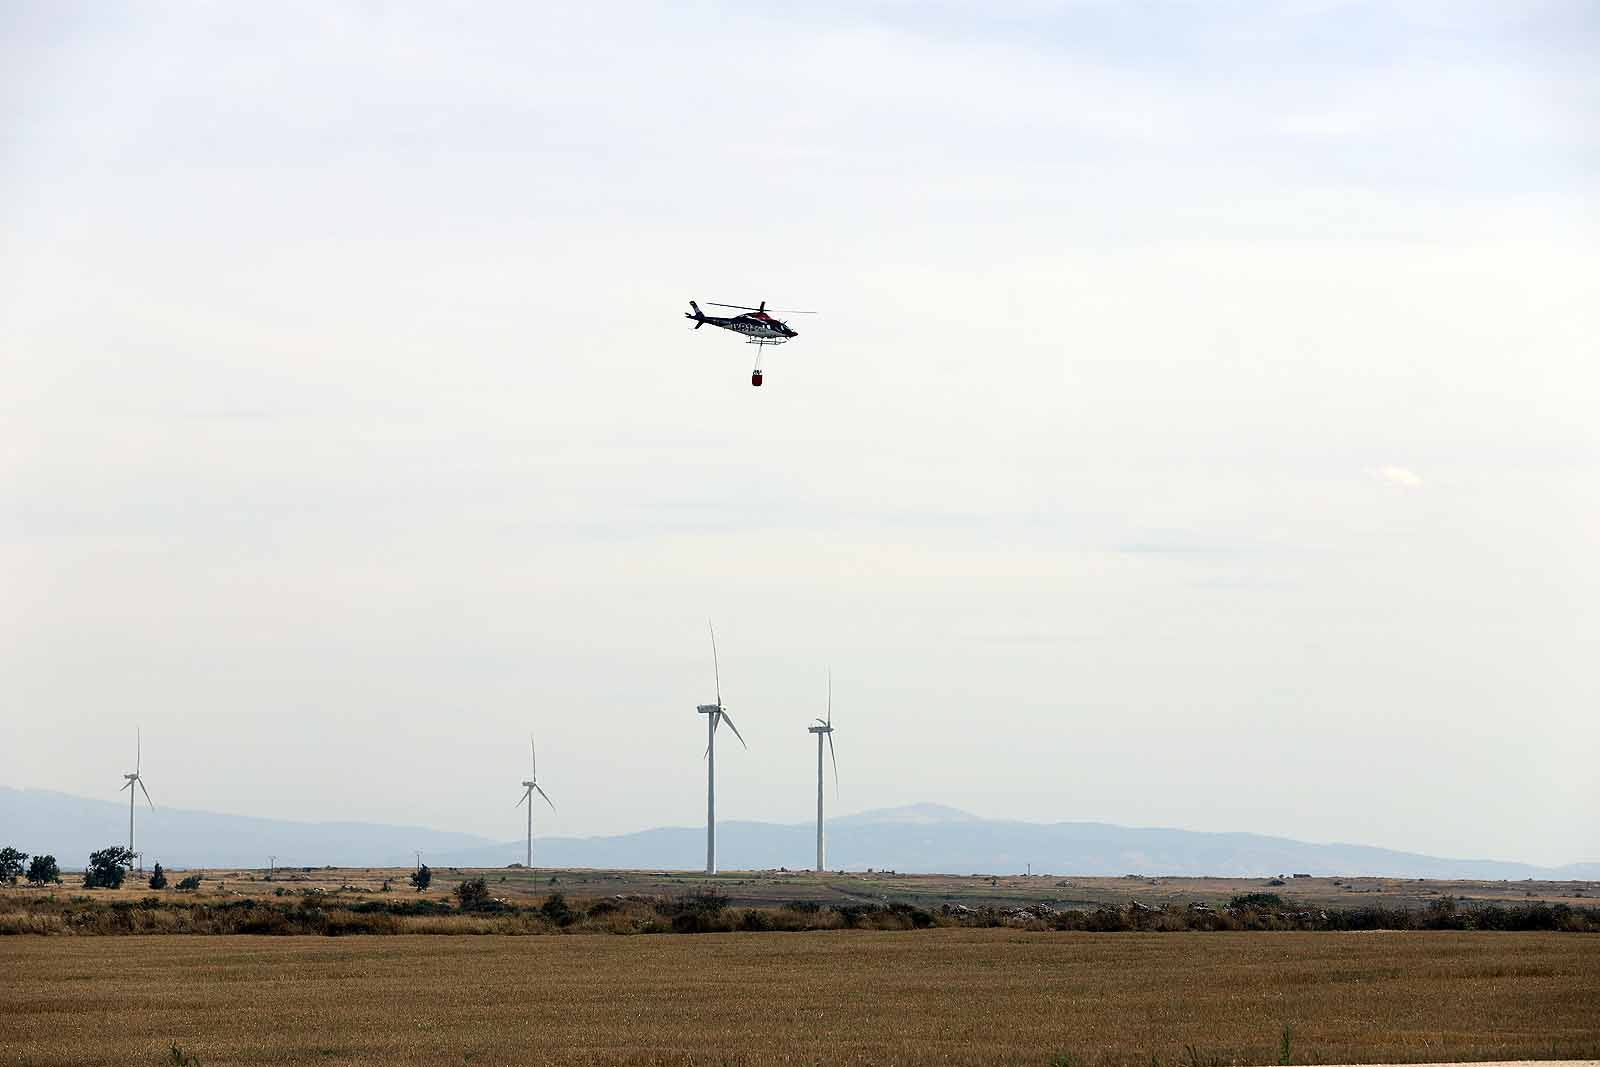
[(707, 709)]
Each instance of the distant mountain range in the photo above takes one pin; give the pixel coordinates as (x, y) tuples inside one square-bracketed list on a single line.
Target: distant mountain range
[(921, 838)]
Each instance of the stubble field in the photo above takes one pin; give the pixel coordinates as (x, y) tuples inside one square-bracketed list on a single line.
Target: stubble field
[(941, 996)]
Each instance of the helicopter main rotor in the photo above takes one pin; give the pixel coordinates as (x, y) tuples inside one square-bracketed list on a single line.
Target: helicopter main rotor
[(763, 308)]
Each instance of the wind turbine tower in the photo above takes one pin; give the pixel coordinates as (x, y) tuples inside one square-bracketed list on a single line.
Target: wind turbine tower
[(715, 714), (132, 780), (530, 786), (824, 728)]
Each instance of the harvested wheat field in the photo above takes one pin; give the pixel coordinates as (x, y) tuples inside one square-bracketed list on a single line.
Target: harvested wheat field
[(940, 996)]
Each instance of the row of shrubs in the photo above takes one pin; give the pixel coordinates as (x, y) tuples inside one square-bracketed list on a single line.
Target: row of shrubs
[(1441, 915), (475, 911)]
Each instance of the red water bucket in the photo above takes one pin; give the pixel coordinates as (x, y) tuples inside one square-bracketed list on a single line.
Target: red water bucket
[(755, 377)]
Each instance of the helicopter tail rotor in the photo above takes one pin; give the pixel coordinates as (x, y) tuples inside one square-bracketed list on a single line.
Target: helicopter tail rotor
[(698, 317)]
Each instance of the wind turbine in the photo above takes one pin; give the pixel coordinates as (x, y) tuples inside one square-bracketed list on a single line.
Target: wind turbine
[(715, 714), (132, 780), (824, 728), (530, 786)]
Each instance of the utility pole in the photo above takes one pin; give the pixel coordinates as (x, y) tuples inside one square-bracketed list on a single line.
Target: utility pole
[(272, 866)]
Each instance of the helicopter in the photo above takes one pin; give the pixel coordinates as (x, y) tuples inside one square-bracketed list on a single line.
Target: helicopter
[(759, 327)]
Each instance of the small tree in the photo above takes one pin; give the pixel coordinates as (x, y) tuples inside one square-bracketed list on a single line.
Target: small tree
[(189, 884), (11, 862), (43, 869), (421, 877), (472, 893), (158, 878), (107, 868)]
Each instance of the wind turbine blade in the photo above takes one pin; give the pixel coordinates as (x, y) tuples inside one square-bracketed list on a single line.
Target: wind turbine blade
[(835, 756), (716, 670), (126, 785), (547, 799), (830, 697), (146, 793), (138, 749), (734, 728), (534, 752), (520, 799)]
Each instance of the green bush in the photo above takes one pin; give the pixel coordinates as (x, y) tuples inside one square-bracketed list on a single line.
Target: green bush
[(915, 917), (556, 910), (707, 902), (473, 894), (400, 907), (693, 922), (854, 915)]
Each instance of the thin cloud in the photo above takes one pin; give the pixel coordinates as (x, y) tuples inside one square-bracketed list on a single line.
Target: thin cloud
[(1404, 477)]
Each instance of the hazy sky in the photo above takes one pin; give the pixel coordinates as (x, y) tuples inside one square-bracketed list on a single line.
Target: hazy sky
[(1199, 428)]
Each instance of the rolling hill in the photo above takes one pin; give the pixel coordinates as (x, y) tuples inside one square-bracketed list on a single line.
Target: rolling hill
[(920, 838)]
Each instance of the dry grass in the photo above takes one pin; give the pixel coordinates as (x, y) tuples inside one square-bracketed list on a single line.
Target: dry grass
[(770, 888), (942, 996)]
